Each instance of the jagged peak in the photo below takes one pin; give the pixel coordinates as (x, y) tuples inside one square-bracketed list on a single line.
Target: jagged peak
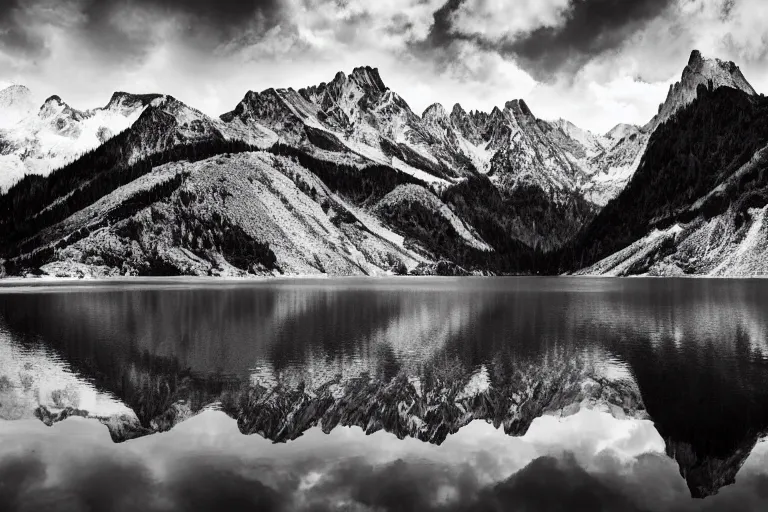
[(695, 58), (126, 98), (519, 106), (458, 110), (711, 73), (253, 95), (435, 111), (713, 69), (54, 99), (368, 77)]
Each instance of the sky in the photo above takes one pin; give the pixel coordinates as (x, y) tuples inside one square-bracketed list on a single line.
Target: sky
[(596, 63), (588, 461)]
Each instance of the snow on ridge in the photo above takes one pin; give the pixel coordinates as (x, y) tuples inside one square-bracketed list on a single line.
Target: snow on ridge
[(55, 135)]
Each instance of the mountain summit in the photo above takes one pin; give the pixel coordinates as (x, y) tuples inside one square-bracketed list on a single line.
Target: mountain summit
[(15, 104), (712, 73)]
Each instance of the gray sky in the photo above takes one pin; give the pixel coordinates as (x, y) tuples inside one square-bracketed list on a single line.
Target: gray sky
[(589, 461), (594, 62)]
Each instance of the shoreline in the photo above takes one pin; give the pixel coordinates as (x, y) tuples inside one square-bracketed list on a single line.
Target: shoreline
[(53, 281)]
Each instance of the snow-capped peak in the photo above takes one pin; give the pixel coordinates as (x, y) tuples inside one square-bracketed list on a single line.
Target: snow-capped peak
[(13, 95), (15, 104), (55, 134), (699, 71), (59, 113)]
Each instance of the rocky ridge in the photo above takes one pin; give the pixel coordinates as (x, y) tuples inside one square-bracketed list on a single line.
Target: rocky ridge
[(699, 71)]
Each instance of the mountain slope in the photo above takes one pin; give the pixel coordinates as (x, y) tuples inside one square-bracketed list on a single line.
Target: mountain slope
[(699, 71), (353, 114), (187, 211), (356, 119), (701, 173), (490, 192), (58, 134), (231, 215)]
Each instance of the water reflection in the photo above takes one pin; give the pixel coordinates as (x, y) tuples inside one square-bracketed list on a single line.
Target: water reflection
[(387, 354), (589, 461)]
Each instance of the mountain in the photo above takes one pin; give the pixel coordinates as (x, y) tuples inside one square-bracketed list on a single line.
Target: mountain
[(349, 127), (57, 134), (357, 115), (15, 104), (699, 71), (360, 115), (696, 204), (487, 192), (430, 402), (625, 144), (554, 175)]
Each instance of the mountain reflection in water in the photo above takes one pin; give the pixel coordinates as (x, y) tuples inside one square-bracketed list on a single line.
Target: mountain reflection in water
[(416, 358)]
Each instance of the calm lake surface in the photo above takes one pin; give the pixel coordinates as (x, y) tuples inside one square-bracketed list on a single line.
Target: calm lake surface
[(697, 349)]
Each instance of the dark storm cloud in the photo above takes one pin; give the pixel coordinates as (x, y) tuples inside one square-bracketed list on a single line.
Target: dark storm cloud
[(441, 33), (590, 28), (18, 475), (112, 481), (123, 28), (15, 35), (117, 484), (224, 18)]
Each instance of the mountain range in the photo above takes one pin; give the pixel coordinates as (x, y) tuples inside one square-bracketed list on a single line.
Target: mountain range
[(344, 178)]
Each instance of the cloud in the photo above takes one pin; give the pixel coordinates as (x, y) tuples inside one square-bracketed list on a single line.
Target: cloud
[(112, 483), (24, 25), (130, 29), (497, 19), (546, 38), (18, 475), (207, 485), (205, 464), (590, 28), (566, 58)]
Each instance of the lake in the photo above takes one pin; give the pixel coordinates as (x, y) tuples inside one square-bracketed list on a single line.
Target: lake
[(416, 358)]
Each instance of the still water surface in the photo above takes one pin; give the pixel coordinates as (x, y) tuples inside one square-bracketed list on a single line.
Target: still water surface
[(697, 349)]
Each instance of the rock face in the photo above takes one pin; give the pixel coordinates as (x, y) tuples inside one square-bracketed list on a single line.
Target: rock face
[(252, 213), (706, 476), (487, 191), (429, 407), (358, 114), (712, 73), (686, 211)]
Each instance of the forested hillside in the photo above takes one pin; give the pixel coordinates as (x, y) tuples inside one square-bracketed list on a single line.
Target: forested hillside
[(689, 155)]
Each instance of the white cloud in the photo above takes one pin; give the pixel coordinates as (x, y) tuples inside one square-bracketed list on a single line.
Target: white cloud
[(320, 37), (497, 19)]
